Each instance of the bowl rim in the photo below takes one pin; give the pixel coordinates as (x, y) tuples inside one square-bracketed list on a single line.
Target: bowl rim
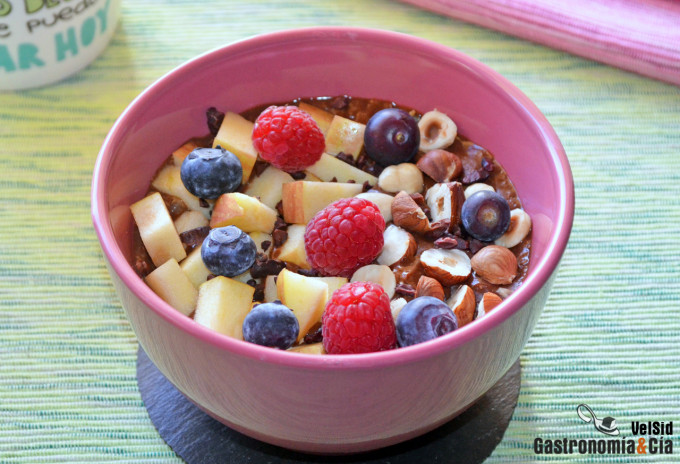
[(541, 271)]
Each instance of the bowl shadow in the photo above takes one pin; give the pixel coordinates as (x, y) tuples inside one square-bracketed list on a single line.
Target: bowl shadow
[(470, 437)]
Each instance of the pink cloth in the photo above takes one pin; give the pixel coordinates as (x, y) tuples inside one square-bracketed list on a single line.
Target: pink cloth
[(642, 36)]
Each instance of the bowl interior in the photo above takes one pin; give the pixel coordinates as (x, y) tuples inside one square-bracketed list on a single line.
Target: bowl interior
[(333, 61)]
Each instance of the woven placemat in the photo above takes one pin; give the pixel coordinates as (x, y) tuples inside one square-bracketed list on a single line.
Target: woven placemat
[(608, 336)]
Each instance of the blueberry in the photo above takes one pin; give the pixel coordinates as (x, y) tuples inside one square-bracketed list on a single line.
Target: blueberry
[(391, 137), (486, 215), (271, 324), (210, 172), (422, 319), (228, 251)]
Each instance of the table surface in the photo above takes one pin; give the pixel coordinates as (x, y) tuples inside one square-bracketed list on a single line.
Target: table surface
[(608, 336)]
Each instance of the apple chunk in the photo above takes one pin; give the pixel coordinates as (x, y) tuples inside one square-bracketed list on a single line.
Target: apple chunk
[(235, 135), (157, 230), (168, 181), (306, 296), (329, 167), (302, 199), (267, 186), (346, 136), (189, 220), (223, 304), (182, 152), (243, 211), (173, 286), (194, 268), (293, 249), (322, 118)]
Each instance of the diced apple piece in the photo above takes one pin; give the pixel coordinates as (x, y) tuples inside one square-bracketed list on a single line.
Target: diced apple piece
[(267, 186), (309, 177), (223, 304), (235, 135), (157, 230), (243, 211), (168, 181), (329, 167), (293, 249), (259, 238), (243, 278), (333, 283), (345, 136), (382, 200), (182, 152), (306, 296), (190, 220), (194, 267), (313, 348), (322, 118), (270, 291), (302, 199), (173, 286)]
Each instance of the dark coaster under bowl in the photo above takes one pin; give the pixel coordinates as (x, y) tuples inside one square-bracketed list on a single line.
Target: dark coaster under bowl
[(198, 439)]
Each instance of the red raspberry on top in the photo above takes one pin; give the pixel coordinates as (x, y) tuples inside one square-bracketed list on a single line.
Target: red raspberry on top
[(357, 319), (288, 138), (344, 236)]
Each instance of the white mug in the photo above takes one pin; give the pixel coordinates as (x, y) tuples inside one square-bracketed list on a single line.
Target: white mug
[(43, 41)]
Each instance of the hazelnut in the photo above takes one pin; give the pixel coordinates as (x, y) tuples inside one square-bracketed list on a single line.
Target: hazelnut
[(462, 303), (449, 267), (407, 214), (437, 130), (440, 165), (489, 301), (427, 286), (399, 246), (520, 224), (445, 202), (495, 264), (404, 176)]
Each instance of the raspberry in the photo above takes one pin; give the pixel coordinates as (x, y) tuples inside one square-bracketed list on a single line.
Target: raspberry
[(288, 138), (357, 319), (344, 236)]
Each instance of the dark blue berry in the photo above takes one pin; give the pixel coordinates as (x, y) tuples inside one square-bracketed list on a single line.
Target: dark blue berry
[(422, 319), (271, 324), (486, 215), (210, 172), (391, 137), (228, 251)]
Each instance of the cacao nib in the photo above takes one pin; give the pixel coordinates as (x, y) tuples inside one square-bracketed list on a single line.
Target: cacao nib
[(368, 165), (487, 164), (299, 175), (447, 243), (314, 336), (264, 266), (203, 203), (174, 204), (340, 102), (280, 224), (476, 245), (194, 237), (405, 289), (215, 119), (259, 167), (265, 245), (366, 187), (349, 159), (308, 272), (280, 236), (279, 208)]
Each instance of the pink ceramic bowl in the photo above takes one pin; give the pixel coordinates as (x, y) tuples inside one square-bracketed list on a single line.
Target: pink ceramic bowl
[(342, 403)]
